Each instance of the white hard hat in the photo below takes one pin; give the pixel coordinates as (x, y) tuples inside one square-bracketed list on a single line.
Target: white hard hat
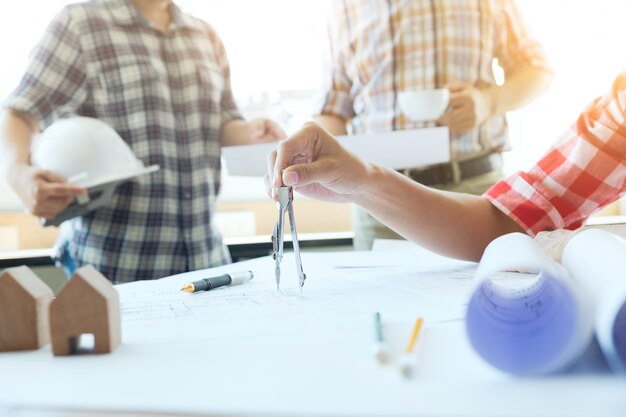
[(87, 152)]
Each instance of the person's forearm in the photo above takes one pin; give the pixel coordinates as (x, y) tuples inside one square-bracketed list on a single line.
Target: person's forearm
[(453, 224), (519, 89), (336, 125), (16, 132)]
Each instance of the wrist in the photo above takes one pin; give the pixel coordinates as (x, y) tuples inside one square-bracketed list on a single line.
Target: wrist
[(15, 173), (235, 132), (369, 184), (490, 96)]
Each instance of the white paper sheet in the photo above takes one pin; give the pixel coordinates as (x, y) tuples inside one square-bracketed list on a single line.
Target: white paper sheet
[(341, 286), (244, 350), (396, 150)]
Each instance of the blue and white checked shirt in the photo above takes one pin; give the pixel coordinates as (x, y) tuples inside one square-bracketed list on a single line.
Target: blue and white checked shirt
[(167, 95)]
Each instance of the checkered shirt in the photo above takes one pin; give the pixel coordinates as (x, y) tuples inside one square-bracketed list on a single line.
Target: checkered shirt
[(379, 48), (167, 95), (582, 172)]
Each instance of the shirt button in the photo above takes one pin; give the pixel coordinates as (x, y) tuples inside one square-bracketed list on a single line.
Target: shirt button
[(187, 196)]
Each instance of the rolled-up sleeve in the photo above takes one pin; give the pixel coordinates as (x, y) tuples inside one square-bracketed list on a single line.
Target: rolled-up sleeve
[(228, 104), (515, 46), (335, 98), (582, 172), (54, 84)]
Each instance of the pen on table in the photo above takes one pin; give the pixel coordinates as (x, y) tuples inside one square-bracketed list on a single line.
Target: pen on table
[(380, 348), (408, 361), (206, 284)]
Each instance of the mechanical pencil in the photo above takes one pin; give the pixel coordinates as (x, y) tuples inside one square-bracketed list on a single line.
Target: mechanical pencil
[(206, 284)]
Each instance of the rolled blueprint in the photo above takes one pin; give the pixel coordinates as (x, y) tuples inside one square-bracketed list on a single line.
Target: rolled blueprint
[(541, 325), (597, 260)]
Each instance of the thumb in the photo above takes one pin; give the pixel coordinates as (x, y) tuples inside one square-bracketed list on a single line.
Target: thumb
[(49, 176), (456, 86), (304, 174)]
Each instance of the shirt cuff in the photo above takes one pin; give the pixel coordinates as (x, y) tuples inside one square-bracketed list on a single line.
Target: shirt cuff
[(43, 113), (533, 56), (337, 103), (232, 114), (525, 205)]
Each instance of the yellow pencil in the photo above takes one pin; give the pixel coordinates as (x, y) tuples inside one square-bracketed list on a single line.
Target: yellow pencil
[(406, 366)]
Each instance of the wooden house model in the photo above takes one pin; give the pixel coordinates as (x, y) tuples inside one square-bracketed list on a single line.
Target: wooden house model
[(87, 309), (24, 303)]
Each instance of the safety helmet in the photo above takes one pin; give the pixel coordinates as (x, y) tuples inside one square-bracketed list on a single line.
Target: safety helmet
[(86, 152), (89, 153)]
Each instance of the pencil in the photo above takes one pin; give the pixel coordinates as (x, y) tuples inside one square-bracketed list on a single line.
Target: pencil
[(406, 366), (380, 349)]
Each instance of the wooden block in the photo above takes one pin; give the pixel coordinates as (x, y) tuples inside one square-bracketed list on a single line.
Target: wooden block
[(24, 303), (86, 307)]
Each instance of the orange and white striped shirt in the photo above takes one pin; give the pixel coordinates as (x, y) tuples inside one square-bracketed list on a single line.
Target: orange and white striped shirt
[(379, 48)]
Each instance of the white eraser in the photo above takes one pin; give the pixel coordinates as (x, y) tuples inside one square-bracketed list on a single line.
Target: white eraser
[(407, 363), (380, 353)]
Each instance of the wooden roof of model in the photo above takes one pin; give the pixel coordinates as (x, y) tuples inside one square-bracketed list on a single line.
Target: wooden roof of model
[(24, 302), (86, 304)]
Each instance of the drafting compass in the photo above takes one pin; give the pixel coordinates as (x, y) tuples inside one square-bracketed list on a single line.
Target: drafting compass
[(285, 204)]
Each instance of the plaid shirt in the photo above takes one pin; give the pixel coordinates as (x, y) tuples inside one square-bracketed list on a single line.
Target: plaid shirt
[(380, 48), (581, 173), (167, 95)]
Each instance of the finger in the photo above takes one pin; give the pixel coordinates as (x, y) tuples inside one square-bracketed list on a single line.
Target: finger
[(317, 172), (459, 114), (455, 86), (466, 118), (461, 126), (58, 204), (44, 190), (291, 176), (268, 187), (49, 176), (444, 120), (45, 179), (52, 207), (271, 163), (301, 143), (456, 120), (451, 118), (457, 100)]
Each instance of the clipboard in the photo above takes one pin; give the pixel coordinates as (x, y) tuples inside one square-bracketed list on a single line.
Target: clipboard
[(98, 194)]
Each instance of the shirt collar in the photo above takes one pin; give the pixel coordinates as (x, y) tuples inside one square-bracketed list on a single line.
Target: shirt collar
[(184, 20), (125, 13)]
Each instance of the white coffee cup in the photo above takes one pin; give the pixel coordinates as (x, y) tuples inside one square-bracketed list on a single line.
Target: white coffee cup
[(424, 105)]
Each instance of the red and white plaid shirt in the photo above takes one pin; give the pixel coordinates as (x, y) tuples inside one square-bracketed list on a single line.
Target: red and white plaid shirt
[(582, 172), (381, 48)]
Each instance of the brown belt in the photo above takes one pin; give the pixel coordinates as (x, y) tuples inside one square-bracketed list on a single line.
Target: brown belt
[(455, 171)]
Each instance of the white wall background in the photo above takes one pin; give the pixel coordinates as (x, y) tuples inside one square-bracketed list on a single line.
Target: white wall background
[(274, 47)]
